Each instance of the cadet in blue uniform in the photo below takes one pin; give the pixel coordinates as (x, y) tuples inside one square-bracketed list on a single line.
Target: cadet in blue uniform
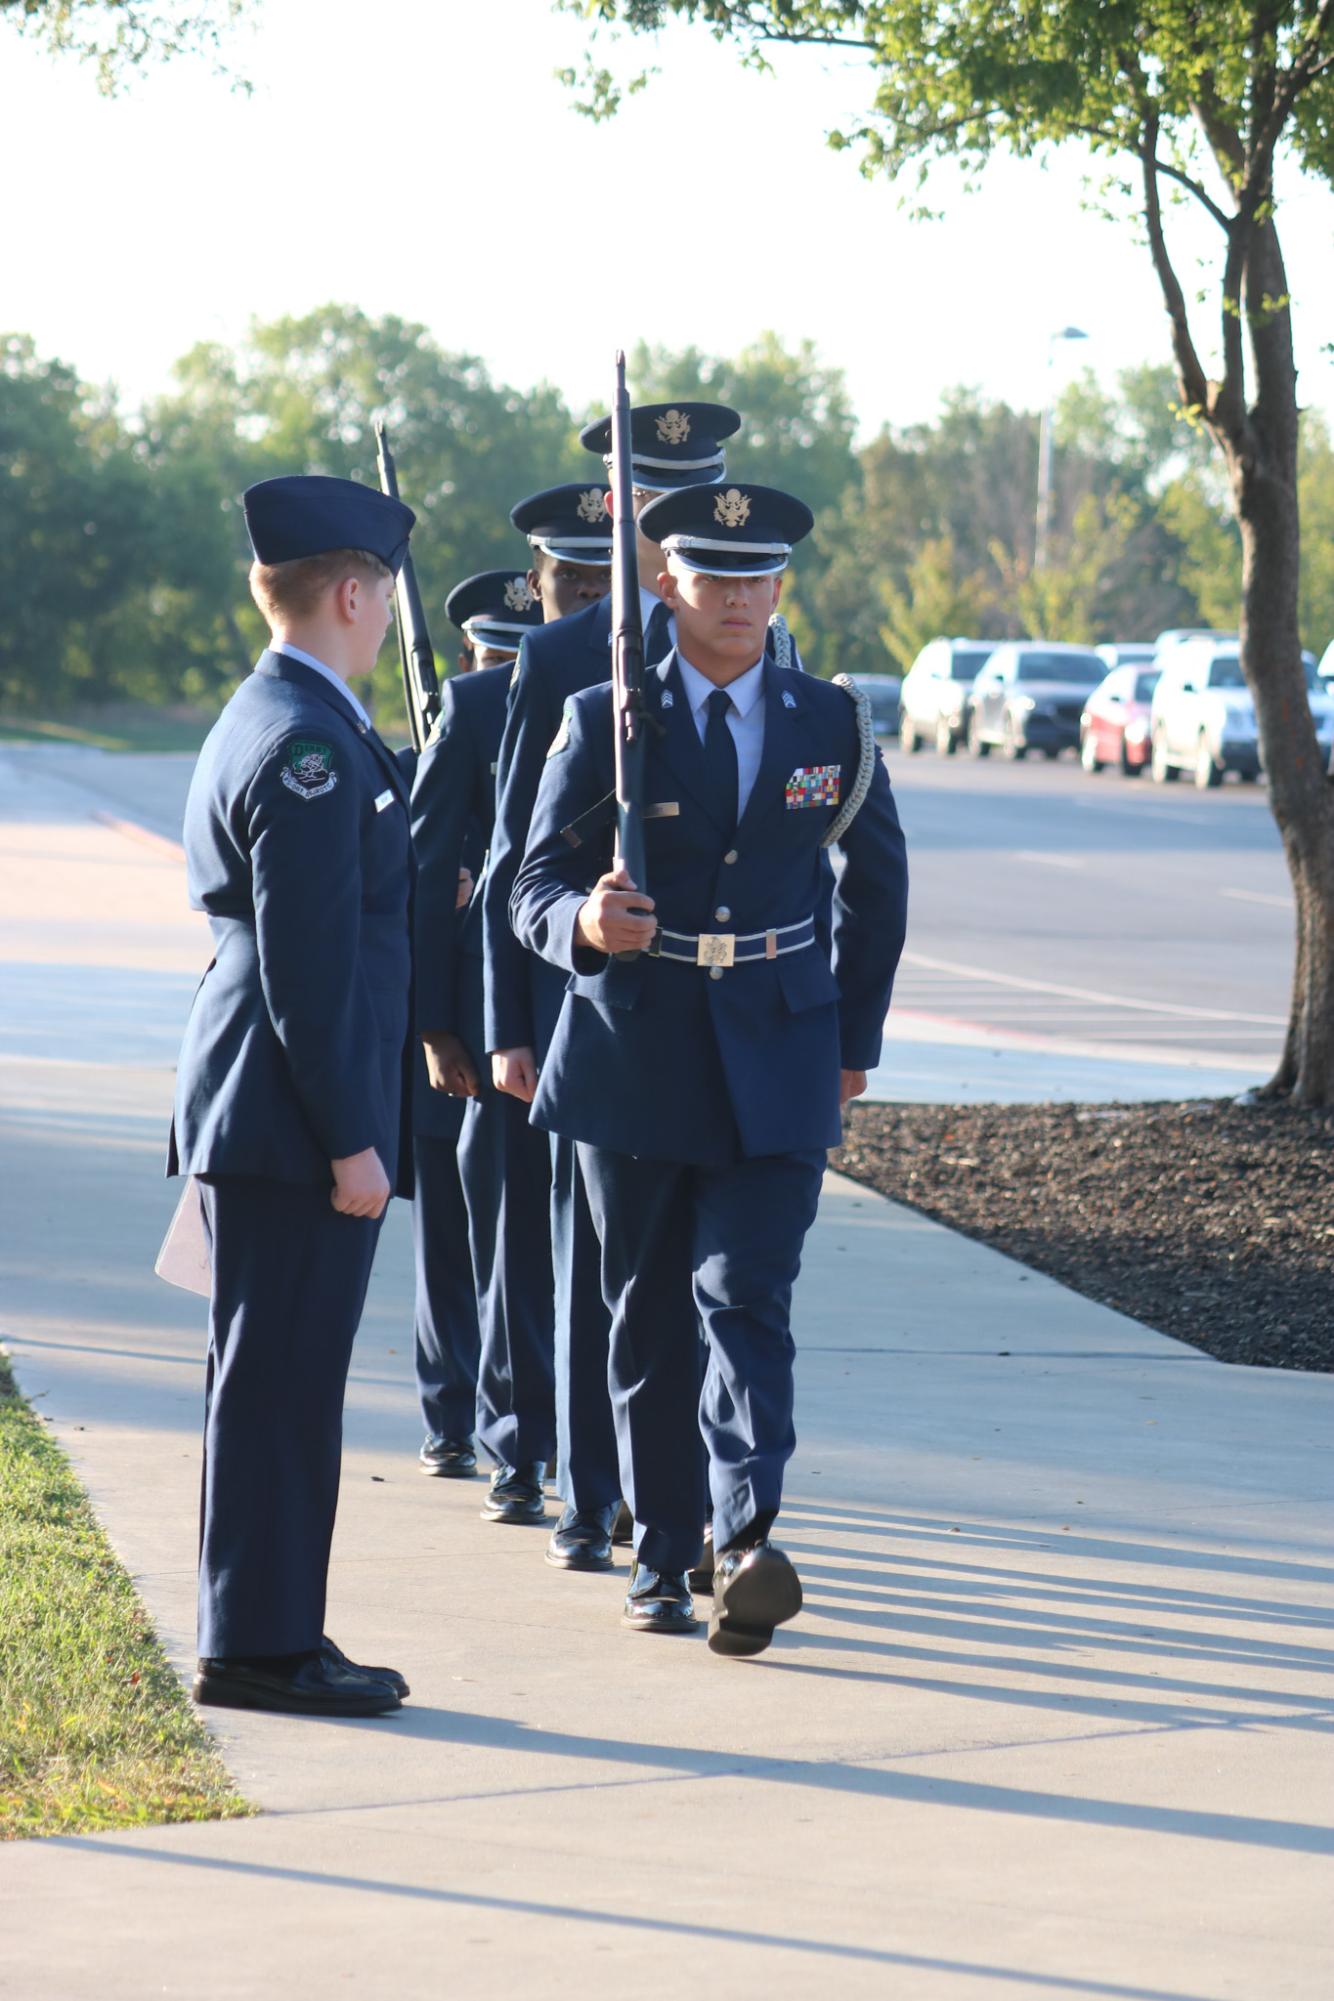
[(291, 1082), (702, 1080), (674, 445), (446, 1337), (503, 1163)]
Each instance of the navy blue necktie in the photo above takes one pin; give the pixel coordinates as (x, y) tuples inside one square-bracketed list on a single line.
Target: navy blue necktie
[(720, 757), (657, 645)]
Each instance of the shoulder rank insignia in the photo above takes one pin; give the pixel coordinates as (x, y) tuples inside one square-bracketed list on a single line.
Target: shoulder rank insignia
[(674, 427), (732, 508), (813, 785), (309, 769), (518, 596), (562, 736), (592, 505), (789, 699), (668, 699)]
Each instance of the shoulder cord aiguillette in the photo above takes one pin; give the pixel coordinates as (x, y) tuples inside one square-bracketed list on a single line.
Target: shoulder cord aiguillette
[(866, 757), (782, 640)]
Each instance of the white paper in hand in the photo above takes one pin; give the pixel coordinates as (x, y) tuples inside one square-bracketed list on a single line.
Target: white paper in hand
[(184, 1259)]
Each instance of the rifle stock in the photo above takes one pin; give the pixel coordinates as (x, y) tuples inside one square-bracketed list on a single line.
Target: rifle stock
[(421, 684)]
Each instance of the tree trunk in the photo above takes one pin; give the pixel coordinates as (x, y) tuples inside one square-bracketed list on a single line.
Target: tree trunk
[(1263, 469)]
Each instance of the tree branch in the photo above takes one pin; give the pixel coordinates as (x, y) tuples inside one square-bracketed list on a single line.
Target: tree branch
[(1224, 143), (1302, 71), (1228, 405), (1193, 382), (1201, 194), (792, 38)]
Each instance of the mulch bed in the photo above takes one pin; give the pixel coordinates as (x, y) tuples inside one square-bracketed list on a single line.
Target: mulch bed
[(1210, 1221)]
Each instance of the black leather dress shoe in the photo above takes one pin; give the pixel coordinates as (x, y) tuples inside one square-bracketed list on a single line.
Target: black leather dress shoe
[(701, 1577), (623, 1528), (448, 1458), (516, 1494), (335, 1654), (754, 1590), (658, 1601), (318, 1687), (581, 1540)]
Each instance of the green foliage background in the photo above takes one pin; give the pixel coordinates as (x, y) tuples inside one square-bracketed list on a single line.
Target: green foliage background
[(123, 552)]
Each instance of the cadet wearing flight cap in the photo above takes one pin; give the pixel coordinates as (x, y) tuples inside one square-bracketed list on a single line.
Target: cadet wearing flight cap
[(673, 445), (502, 1162), (702, 1080), (290, 1084)]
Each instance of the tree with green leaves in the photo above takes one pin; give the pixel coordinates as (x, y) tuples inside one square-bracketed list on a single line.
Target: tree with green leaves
[(1201, 99), (120, 36)]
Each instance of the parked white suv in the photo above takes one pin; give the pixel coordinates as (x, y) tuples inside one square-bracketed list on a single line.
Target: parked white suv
[(932, 698), (1203, 719)]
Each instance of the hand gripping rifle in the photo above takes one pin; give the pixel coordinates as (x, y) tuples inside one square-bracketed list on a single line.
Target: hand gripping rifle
[(627, 647), (421, 685)]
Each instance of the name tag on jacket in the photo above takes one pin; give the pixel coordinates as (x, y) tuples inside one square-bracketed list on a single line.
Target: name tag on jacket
[(385, 799), (813, 785)]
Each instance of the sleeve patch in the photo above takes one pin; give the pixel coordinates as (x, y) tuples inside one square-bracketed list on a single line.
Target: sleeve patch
[(308, 768), (560, 741)]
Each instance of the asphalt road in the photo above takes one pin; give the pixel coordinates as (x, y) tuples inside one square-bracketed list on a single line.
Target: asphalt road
[(1142, 919), (1069, 936)]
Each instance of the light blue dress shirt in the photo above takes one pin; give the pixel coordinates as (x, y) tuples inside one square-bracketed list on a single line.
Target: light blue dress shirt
[(745, 719), (309, 660)]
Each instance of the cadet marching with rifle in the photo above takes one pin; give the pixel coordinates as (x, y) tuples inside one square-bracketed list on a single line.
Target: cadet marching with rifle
[(707, 1040)]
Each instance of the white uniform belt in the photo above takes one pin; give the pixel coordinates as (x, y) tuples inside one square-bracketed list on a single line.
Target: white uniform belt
[(731, 948)]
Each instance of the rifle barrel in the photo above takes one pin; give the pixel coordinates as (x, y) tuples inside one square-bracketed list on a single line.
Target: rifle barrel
[(627, 648), (421, 684)]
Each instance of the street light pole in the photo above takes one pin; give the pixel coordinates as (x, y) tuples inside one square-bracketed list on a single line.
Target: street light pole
[(1043, 525)]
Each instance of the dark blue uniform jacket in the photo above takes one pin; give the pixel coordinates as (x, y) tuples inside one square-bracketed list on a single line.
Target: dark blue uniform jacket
[(297, 848), (453, 808), (522, 995), (657, 1058)]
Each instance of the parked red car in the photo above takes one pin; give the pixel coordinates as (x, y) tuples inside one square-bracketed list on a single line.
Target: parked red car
[(1114, 728)]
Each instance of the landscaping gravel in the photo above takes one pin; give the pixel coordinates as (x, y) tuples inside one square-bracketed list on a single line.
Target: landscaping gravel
[(1209, 1220)]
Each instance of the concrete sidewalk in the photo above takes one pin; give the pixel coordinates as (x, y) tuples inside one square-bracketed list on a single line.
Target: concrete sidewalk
[(1056, 1719)]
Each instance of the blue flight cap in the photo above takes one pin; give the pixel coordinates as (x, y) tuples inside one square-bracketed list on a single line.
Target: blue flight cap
[(494, 609), (671, 444), (736, 531), (308, 514), (570, 523)]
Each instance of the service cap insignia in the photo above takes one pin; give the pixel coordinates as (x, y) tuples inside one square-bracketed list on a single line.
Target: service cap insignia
[(592, 505), (674, 427), (732, 508), (518, 597)]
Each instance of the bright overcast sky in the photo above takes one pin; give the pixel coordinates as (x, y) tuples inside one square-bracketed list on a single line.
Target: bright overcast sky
[(419, 157)]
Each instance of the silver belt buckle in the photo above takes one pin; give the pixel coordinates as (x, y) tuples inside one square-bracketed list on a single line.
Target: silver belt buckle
[(716, 948)]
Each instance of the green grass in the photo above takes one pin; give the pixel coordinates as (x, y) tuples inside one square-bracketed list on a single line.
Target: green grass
[(95, 1730), (124, 727)]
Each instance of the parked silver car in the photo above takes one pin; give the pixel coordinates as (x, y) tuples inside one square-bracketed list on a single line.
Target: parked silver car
[(1030, 696), (882, 692), (931, 700), (1127, 653)]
